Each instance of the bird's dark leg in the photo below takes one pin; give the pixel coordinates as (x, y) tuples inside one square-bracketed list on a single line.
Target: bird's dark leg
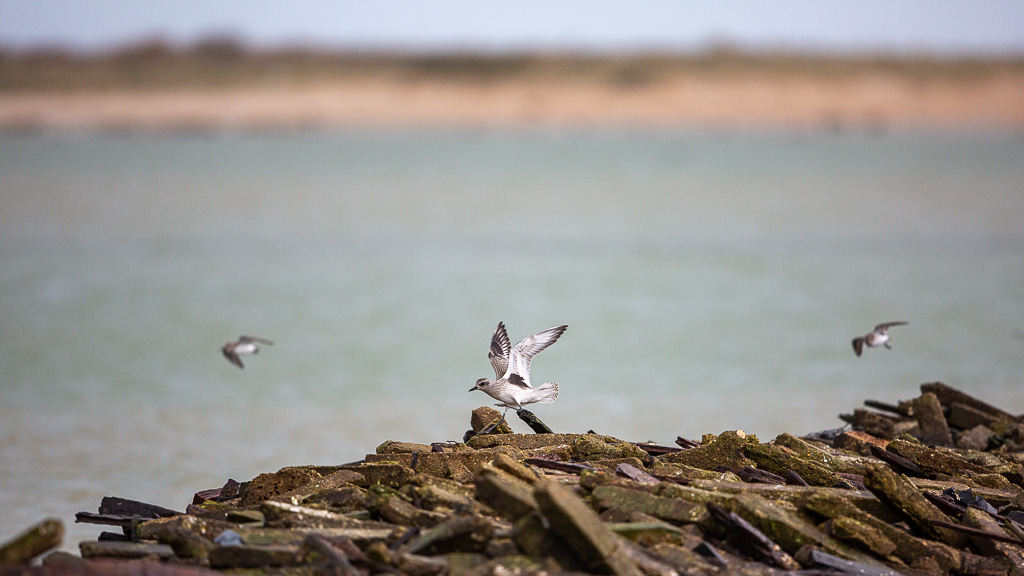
[(887, 347), (496, 424)]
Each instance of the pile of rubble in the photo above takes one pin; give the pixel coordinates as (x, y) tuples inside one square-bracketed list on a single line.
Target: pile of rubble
[(934, 485)]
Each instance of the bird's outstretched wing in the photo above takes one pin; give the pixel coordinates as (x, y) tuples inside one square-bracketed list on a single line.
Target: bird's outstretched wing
[(523, 353), (858, 345), (886, 325), (255, 339), (500, 349)]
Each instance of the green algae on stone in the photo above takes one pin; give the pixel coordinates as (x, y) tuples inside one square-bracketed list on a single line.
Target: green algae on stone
[(339, 500), (612, 464), (674, 509), (782, 460), (899, 492), (124, 550), (863, 535), (205, 527), (932, 459), (682, 471), (246, 556), (724, 450), (522, 441), (833, 459), (395, 447), (245, 516), (361, 534), (648, 533), (458, 466), (788, 529), (284, 515), (38, 539), (596, 447)]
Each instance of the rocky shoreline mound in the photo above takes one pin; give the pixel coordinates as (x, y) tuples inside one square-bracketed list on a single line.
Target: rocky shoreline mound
[(933, 485)]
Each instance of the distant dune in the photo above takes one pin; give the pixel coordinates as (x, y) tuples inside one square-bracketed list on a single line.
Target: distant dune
[(220, 87)]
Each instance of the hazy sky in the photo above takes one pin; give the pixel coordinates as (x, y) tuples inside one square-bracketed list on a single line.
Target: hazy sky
[(930, 26)]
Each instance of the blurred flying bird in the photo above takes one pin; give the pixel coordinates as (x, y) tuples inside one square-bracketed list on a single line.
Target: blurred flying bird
[(243, 346), (877, 337)]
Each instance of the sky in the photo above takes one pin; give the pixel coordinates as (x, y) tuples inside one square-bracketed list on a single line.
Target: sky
[(942, 27)]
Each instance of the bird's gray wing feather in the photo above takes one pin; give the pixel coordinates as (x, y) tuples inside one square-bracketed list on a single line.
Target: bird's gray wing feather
[(523, 352), (500, 349)]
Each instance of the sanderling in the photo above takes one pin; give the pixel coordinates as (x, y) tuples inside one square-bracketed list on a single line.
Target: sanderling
[(511, 385), (877, 337), (245, 345)]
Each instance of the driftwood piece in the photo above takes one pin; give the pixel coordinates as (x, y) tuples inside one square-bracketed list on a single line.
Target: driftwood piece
[(901, 464), (793, 478), (124, 507), (570, 467), (813, 557), (657, 449), (948, 506), (885, 407), (627, 470), (978, 532), (744, 534), (106, 519), (533, 422), (686, 443)]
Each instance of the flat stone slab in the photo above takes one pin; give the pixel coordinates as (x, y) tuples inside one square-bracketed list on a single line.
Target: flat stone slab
[(247, 556), (113, 549), (523, 441)]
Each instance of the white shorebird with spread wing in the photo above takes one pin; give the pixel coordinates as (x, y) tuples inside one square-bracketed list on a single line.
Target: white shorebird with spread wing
[(244, 346), (511, 385), (877, 337)]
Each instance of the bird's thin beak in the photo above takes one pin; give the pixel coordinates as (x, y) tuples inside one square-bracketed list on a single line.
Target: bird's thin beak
[(473, 388)]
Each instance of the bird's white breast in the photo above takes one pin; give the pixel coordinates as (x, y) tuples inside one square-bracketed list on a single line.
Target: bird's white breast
[(245, 348)]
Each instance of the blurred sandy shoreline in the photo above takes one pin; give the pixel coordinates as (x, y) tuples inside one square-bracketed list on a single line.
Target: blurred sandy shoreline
[(559, 94)]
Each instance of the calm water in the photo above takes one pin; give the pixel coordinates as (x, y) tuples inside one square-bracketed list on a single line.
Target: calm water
[(711, 281)]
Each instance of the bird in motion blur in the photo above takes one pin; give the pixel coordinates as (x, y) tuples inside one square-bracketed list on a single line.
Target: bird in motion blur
[(511, 385), (877, 337), (244, 346)]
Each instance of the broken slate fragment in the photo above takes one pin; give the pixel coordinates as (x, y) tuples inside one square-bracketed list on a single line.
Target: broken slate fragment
[(899, 492), (931, 422), (33, 542), (582, 529), (229, 538)]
